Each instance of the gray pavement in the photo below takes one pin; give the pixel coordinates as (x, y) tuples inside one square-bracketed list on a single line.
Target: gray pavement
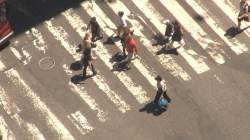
[(213, 105)]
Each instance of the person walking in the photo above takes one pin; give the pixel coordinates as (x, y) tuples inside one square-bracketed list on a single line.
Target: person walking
[(95, 29), (161, 90), (128, 32), (131, 48), (87, 55), (122, 24), (243, 14), (169, 29), (177, 34)]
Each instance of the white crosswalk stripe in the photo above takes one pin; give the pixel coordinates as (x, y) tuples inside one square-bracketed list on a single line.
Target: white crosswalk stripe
[(212, 47), (167, 61), (137, 91), (6, 133), (12, 110), (39, 105), (80, 91), (197, 64), (62, 36), (231, 12), (234, 44), (80, 122), (135, 88)]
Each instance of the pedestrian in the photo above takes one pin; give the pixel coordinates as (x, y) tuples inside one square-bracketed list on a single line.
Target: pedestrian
[(243, 14), (161, 90), (177, 34), (87, 55), (131, 48), (95, 29), (169, 29), (128, 32), (121, 24)]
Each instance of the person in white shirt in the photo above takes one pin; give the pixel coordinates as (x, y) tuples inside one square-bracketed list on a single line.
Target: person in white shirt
[(122, 24), (161, 90)]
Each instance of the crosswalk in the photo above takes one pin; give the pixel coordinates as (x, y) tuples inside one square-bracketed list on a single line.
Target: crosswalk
[(109, 92)]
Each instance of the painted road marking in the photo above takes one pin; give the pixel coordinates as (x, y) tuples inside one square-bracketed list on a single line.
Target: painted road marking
[(12, 110), (82, 93), (80, 122), (212, 48), (7, 134), (195, 61), (231, 12), (166, 61), (38, 42), (39, 105), (61, 35), (233, 43), (137, 91)]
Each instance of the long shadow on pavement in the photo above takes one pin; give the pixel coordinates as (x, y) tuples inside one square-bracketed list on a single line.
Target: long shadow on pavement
[(153, 108)]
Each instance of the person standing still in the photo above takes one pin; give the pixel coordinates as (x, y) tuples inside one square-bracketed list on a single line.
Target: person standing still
[(161, 90), (87, 55), (243, 14)]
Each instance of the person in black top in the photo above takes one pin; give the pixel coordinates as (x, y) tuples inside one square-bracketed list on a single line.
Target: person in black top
[(87, 57), (177, 34), (95, 29)]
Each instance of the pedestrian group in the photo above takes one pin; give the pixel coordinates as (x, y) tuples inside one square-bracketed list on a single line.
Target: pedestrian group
[(173, 33)]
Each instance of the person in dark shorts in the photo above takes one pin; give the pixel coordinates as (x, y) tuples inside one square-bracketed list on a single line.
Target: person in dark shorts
[(161, 90)]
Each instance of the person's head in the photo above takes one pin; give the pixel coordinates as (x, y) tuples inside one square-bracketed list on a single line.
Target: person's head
[(158, 78), (93, 19), (120, 13), (167, 21), (243, 0)]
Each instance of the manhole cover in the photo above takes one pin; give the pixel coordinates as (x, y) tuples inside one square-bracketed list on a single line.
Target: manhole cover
[(46, 63)]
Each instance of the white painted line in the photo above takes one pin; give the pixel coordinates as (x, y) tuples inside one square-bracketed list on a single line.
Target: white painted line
[(233, 43), (7, 134), (167, 62), (27, 55), (147, 72), (11, 109), (32, 130), (199, 64), (38, 42), (80, 122), (82, 93), (24, 60), (137, 91), (213, 48), (39, 105), (60, 34), (231, 12), (2, 66)]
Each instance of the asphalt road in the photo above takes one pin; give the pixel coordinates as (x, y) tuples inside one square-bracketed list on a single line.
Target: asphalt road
[(43, 95)]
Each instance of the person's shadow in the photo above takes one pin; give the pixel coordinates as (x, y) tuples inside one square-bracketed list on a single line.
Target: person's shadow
[(159, 40), (168, 51), (233, 31), (153, 108), (78, 79)]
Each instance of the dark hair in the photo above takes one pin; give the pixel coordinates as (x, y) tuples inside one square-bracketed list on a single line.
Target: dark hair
[(158, 77), (120, 13)]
